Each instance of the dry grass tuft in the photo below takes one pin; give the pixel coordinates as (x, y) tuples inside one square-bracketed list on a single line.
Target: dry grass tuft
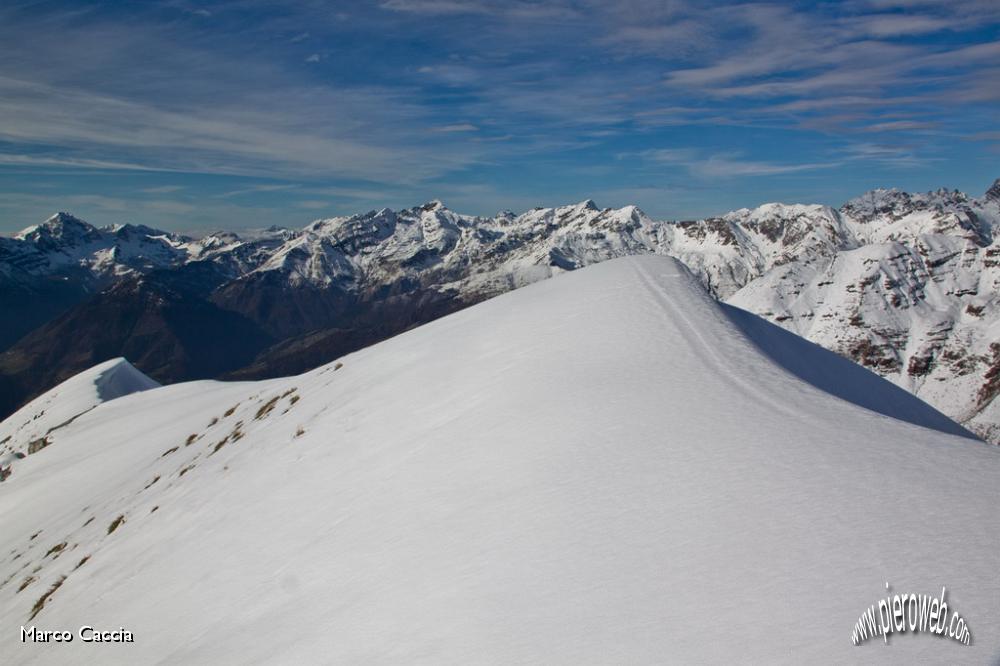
[(25, 583), (116, 523), (221, 443), (267, 407), (40, 604)]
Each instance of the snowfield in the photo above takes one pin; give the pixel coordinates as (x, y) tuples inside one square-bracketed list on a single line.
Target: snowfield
[(607, 467)]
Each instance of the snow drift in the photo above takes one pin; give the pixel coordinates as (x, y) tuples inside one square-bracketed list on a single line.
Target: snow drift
[(606, 467)]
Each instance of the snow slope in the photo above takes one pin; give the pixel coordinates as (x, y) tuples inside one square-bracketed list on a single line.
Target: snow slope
[(54, 409), (606, 467)]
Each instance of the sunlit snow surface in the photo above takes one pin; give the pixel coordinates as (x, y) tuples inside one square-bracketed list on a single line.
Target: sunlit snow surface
[(605, 467)]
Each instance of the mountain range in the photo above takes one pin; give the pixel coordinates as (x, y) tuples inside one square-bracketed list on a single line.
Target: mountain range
[(904, 284)]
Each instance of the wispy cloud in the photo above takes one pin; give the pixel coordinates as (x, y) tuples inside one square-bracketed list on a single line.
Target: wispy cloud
[(513, 9), (898, 156), (261, 138), (78, 163), (457, 127), (788, 61), (162, 189), (900, 126), (258, 189), (200, 109), (726, 165), (312, 204), (439, 6)]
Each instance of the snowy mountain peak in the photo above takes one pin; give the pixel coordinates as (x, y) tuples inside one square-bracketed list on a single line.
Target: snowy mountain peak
[(993, 193), (63, 218), (60, 229), (879, 202), (130, 231), (434, 204)]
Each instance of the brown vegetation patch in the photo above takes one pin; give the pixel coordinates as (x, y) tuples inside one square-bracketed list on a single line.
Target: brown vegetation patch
[(40, 604), (37, 445), (267, 408), (221, 443), (25, 583), (116, 523)]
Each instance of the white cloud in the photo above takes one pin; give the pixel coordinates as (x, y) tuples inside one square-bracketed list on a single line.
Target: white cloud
[(725, 165), (8, 159), (162, 189), (457, 127), (258, 189)]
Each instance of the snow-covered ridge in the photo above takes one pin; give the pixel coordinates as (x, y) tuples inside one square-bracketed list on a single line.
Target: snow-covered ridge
[(574, 472), (35, 426), (905, 284)]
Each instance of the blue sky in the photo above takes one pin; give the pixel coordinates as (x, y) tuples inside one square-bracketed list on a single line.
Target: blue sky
[(194, 115)]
